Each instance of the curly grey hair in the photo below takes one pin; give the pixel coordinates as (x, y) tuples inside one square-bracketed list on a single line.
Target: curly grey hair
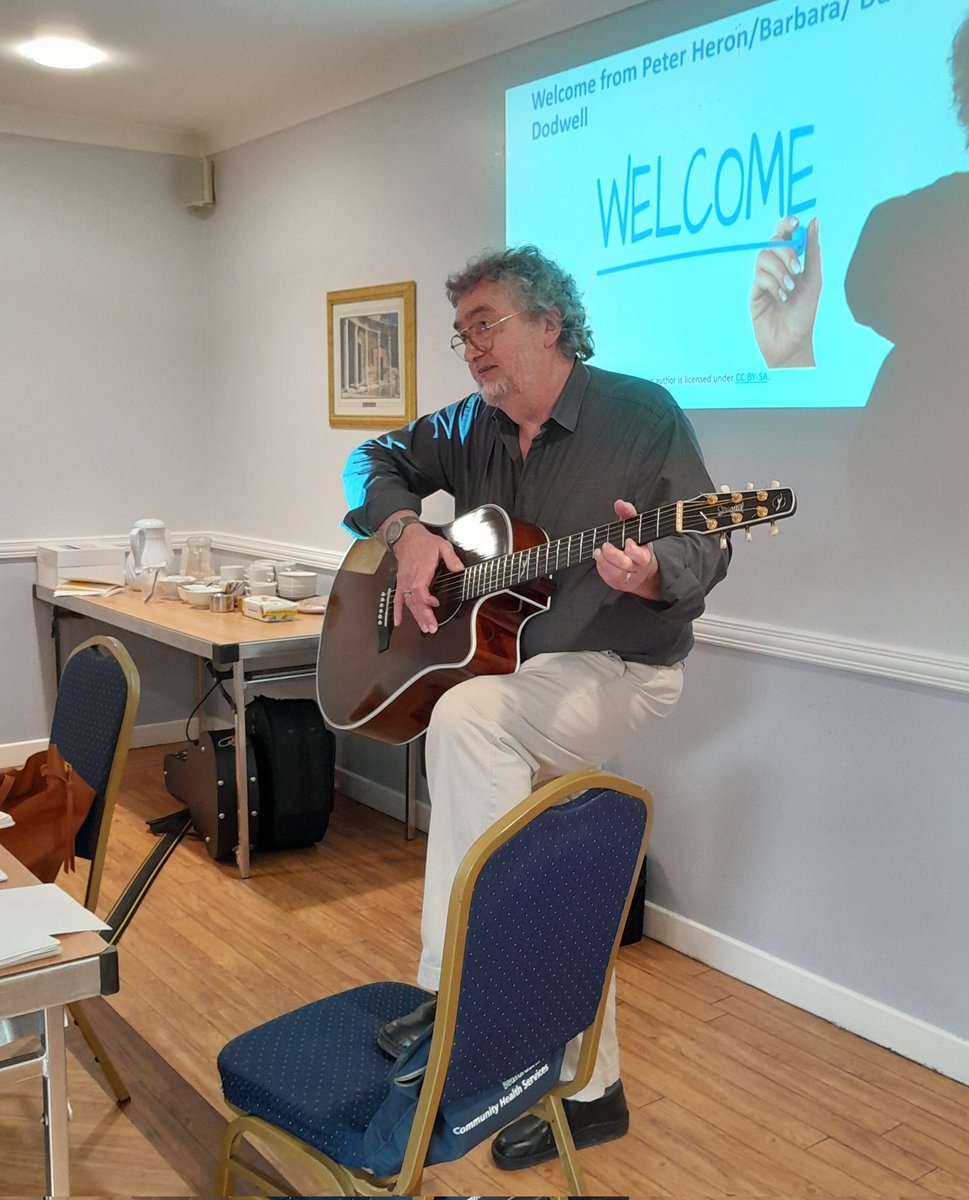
[(540, 285)]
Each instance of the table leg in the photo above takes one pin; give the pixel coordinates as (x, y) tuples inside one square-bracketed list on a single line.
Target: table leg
[(55, 1102), (411, 786), (242, 767)]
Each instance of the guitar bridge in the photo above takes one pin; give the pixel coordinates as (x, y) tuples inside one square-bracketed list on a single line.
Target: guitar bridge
[(385, 616)]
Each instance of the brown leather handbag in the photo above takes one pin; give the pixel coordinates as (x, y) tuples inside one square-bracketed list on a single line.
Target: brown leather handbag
[(48, 801)]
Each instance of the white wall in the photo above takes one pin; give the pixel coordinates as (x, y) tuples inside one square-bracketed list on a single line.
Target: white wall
[(103, 382), (102, 341), (810, 819)]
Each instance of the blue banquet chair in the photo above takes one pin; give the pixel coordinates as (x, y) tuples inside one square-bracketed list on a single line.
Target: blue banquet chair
[(94, 715), (535, 917)]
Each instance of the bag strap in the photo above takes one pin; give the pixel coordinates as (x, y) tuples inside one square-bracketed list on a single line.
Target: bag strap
[(76, 792)]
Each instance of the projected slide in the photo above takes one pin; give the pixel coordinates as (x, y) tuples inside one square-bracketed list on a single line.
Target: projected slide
[(708, 191)]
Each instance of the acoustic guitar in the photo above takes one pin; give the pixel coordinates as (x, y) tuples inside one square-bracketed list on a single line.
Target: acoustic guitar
[(383, 682)]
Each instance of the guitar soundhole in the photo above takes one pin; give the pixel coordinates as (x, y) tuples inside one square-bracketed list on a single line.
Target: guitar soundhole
[(448, 587), (450, 603)]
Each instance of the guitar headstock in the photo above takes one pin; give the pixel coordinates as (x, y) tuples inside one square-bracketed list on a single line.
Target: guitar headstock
[(726, 510)]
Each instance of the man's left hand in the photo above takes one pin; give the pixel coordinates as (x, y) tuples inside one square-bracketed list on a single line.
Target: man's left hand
[(631, 569)]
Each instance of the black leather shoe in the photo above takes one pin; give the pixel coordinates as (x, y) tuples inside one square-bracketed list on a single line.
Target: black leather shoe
[(396, 1036), (529, 1140)]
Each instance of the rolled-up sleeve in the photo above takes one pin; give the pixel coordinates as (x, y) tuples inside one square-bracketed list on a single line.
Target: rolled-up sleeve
[(398, 469), (690, 565)]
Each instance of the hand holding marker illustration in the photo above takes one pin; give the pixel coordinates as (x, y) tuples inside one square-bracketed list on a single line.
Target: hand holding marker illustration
[(785, 294)]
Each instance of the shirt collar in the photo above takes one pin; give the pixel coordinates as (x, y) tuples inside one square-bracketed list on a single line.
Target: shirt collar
[(565, 411)]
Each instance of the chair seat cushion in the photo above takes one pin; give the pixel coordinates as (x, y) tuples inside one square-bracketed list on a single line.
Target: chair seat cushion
[(316, 1072)]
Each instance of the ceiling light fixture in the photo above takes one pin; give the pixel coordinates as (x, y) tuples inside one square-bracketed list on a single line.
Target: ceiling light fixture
[(68, 54)]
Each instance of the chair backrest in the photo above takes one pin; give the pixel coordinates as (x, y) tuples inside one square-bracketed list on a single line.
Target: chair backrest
[(94, 714), (535, 919)]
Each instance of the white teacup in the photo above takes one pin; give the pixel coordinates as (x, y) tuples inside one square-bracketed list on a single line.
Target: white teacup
[(260, 572), (261, 588), (232, 572)]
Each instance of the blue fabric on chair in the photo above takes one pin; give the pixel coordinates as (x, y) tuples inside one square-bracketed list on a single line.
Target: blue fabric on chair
[(548, 907), (462, 1122), (316, 1072), (90, 707), (550, 898)]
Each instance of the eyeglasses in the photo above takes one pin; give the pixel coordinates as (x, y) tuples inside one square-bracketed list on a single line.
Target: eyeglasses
[(479, 335)]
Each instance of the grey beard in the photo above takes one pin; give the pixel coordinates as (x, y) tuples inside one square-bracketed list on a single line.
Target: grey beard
[(491, 393)]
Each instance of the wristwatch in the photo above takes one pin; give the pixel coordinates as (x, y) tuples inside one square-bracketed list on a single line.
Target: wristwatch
[(396, 528)]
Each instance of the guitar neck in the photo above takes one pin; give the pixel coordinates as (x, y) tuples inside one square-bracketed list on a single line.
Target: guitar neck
[(711, 513), (522, 566)]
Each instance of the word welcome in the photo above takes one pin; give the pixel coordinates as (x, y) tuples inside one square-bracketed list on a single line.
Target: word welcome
[(642, 203)]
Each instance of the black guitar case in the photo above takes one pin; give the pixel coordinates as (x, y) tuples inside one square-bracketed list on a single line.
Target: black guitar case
[(295, 755), (202, 775)]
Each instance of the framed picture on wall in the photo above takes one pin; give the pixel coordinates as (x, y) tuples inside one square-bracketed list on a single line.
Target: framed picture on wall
[(372, 349)]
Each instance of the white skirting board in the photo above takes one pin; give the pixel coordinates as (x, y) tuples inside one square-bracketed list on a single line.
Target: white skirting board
[(861, 1015), (377, 795), (160, 734)]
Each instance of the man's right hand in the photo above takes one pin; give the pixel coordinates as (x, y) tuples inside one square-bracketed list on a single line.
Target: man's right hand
[(419, 554)]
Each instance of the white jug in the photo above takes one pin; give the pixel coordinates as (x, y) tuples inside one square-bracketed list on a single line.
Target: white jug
[(151, 547)]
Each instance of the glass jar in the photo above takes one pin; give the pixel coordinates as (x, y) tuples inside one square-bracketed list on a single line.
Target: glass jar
[(197, 557)]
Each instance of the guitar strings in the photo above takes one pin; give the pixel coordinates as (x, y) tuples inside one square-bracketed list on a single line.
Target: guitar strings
[(492, 574)]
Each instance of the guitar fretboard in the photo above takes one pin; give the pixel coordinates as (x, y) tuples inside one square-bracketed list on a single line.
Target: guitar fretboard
[(495, 574), (711, 513)]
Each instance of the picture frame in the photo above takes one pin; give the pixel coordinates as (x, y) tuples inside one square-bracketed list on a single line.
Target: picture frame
[(372, 340)]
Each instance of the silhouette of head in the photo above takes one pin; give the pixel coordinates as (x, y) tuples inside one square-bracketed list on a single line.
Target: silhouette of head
[(959, 62)]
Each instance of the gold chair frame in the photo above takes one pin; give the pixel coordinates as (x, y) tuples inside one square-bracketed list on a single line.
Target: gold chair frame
[(92, 889), (353, 1182)]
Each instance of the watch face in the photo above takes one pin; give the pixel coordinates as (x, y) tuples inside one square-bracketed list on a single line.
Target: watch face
[(396, 528)]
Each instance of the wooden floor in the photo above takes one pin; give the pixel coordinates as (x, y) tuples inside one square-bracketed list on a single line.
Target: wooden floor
[(732, 1093)]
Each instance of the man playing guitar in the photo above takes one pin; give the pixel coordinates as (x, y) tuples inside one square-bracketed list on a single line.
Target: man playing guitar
[(554, 442)]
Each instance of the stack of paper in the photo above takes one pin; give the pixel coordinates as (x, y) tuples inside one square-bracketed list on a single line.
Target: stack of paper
[(75, 587), (31, 916), (17, 946)]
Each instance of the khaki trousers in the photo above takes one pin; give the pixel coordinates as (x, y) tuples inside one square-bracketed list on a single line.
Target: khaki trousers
[(495, 738)]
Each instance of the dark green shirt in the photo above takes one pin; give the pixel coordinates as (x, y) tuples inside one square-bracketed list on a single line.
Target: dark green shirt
[(609, 437)]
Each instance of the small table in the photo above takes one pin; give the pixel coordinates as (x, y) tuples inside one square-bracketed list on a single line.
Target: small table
[(230, 641), (86, 966)]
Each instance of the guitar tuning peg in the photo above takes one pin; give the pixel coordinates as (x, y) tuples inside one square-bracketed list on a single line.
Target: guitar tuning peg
[(725, 487), (748, 536), (773, 529), (750, 487), (774, 483), (723, 541)]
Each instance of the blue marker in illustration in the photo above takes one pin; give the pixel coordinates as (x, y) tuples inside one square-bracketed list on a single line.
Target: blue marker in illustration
[(797, 240)]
